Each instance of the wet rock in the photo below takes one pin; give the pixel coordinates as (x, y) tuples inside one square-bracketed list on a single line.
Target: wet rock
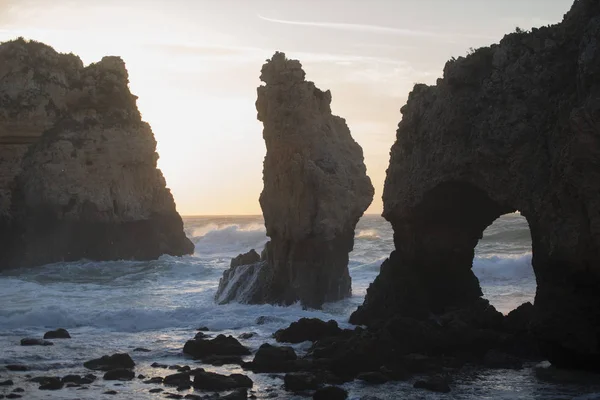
[(185, 368), (218, 382), (140, 376), (158, 365), (112, 392), (17, 367), (156, 390), (247, 335), (175, 366), (156, 379), (203, 329), (107, 363), (270, 358), (330, 393), (78, 380), (434, 384), (13, 396), (307, 329), (250, 257), (201, 335), (173, 396), (35, 342), (52, 384), (119, 374), (141, 350), (375, 378), (18, 390), (179, 380), (60, 333), (299, 381), (221, 346)]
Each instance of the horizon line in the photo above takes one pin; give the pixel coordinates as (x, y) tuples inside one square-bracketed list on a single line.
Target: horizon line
[(241, 215)]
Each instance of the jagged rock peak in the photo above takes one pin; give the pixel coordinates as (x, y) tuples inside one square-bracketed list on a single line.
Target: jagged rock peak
[(315, 190)]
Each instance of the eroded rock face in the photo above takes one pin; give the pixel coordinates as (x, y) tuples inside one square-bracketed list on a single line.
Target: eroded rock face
[(81, 179), (514, 126), (315, 187)]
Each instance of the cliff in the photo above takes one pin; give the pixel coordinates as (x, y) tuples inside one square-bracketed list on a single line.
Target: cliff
[(315, 188), (79, 176), (513, 126)]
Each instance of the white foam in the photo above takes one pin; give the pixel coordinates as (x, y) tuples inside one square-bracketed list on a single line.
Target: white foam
[(509, 267)]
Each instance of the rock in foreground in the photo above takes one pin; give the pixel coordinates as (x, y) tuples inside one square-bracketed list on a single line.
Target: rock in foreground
[(315, 190)]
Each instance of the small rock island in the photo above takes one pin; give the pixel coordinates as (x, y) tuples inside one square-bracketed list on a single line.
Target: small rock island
[(315, 190), (78, 166)]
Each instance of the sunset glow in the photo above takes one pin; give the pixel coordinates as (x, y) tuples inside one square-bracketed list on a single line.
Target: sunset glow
[(195, 66)]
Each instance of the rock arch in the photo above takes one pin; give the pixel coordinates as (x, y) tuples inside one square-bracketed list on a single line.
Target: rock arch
[(511, 126)]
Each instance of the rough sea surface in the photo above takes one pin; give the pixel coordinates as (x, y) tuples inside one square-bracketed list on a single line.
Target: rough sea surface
[(111, 307)]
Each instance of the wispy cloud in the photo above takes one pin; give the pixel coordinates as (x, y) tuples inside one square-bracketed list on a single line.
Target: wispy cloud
[(355, 27)]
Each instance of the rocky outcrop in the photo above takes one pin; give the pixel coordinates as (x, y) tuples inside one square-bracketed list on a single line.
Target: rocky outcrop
[(78, 165), (513, 126), (315, 188)]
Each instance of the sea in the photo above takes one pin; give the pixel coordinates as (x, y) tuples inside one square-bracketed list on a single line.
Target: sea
[(111, 307)]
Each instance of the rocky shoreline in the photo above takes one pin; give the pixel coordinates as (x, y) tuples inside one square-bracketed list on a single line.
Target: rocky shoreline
[(216, 366)]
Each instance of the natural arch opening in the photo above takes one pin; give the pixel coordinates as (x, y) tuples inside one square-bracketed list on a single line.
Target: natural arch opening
[(502, 263)]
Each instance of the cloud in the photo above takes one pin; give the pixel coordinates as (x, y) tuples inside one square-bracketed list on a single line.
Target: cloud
[(356, 27)]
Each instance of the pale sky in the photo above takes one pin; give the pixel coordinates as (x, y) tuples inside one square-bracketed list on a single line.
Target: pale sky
[(195, 65)]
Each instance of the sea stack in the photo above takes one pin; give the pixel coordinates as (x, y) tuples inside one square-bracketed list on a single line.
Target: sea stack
[(79, 176), (315, 189), (513, 126)]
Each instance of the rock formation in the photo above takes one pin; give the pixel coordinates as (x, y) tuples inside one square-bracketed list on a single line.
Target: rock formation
[(78, 176), (315, 188), (513, 126)]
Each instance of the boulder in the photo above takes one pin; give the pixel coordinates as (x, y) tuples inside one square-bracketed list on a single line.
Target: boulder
[(307, 329), (513, 126), (119, 374), (35, 342), (181, 379), (60, 333), (315, 190), (17, 367), (218, 382), (250, 257), (107, 363), (220, 346), (270, 358), (330, 393), (79, 176), (51, 384)]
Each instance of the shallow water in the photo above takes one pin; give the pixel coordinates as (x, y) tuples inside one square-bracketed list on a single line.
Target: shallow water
[(113, 307)]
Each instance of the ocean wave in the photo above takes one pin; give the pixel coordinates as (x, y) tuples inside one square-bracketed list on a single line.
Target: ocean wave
[(496, 268), (230, 239)]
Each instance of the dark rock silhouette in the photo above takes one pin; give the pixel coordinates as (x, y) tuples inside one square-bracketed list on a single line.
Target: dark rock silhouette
[(78, 165), (514, 126), (315, 190)]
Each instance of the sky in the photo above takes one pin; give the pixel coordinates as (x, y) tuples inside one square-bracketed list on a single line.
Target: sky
[(195, 65)]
